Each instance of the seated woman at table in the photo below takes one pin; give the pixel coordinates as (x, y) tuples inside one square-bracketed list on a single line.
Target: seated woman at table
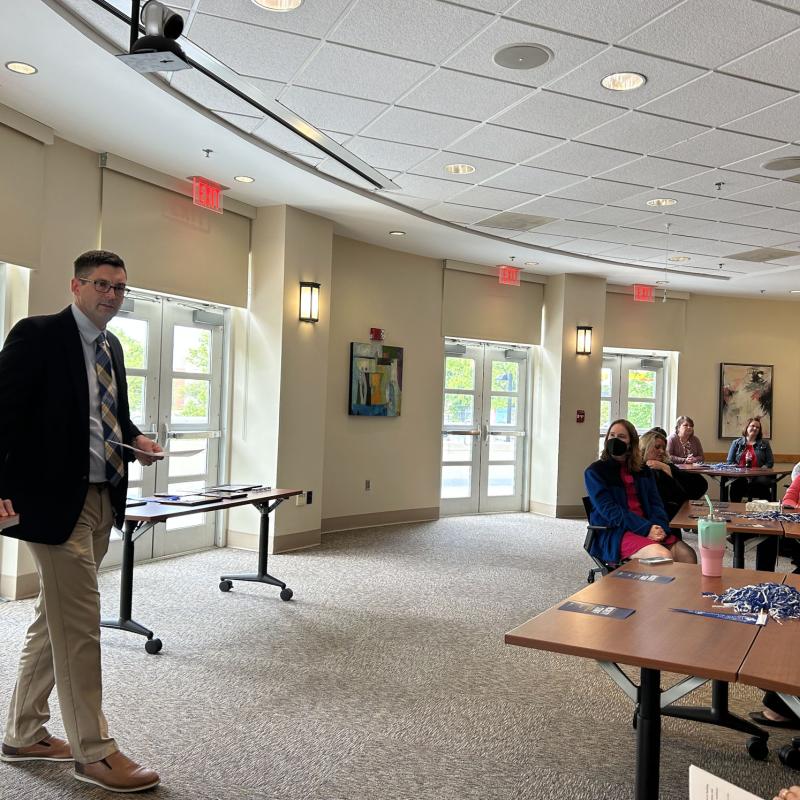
[(626, 502), (683, 446), (654, 454), (751, 450)]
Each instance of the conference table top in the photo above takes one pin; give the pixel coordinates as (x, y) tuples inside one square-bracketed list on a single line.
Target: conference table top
[(732, 471), (733, 514), (653, 637)]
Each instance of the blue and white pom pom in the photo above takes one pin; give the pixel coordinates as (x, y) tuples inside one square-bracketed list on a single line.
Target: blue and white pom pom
[(779, 601)]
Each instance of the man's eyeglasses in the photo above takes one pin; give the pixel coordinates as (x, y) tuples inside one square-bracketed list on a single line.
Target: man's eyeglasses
[(104, 286)]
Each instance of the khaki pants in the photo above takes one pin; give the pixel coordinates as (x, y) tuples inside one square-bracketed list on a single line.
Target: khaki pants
[(62, 646)]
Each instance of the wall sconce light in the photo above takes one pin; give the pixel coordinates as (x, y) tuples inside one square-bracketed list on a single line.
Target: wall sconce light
[(309, 301), (584, 340)]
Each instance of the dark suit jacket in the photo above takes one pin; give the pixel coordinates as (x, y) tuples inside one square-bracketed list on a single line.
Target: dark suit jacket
[(44, 426)]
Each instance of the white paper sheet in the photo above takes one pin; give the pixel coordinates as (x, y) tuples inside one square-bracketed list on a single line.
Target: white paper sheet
[(705, 786)]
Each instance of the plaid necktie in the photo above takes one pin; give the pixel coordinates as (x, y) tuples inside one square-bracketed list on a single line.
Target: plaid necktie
[(112, 433)]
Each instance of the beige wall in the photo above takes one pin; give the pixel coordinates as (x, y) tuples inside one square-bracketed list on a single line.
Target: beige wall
[(402, 293), (654, 326)]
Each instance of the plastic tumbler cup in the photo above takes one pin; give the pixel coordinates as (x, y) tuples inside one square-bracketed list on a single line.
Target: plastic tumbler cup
[(711, 534), (711, 561)]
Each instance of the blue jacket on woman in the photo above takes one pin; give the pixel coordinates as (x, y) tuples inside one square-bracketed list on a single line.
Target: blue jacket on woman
[(763, 451), (610, 507)]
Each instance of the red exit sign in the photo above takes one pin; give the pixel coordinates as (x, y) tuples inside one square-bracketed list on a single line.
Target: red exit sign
[(642, 293), (206, 194), (508, 276)]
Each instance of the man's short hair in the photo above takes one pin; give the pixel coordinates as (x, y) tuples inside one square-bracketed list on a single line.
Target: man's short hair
[(91, 259)]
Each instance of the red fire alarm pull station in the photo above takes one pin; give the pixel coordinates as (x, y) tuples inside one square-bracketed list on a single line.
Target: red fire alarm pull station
[(376, 334), (580, 415)]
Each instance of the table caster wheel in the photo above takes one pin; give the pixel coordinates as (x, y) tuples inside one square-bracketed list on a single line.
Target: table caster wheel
[(757, 748), (790, 756), (225, 586), (153, 646), (286, 594)]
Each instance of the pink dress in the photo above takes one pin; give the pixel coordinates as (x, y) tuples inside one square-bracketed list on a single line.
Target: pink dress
[(632, 542)]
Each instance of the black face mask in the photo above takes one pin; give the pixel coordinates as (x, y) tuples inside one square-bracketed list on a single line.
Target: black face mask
[(616, 447)]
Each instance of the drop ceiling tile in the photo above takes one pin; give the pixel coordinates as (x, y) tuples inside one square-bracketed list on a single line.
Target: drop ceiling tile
[(486, 197), (635, 253), (211, 95), (642, 133), (477, 57), (583, 159), (245, 123), (420, 203), (716, 99), (596, 190), (692, 31), (639, 200), (650, 171), (326, 110), (434, 166), (433, 188), (583, 17), (465, 215), (358, 73), (706, 183), (418, 127), (423, 30), (626, 235), (662, 76), (692, 245), (588, 247), (387, 155), (742, 234), (543, 239), (313, 19), (578, 230), (612, 215), (773, 63), (776, 122), (495, 141), (115, 30), (777, 193), (558, 208), (720, 210), (533, 181), (338, 137), (461, 95), (492, 6), (338, 170), (679, 226), (717, 148), (250, 50), (754, 165), (558, 115), (779, 218)]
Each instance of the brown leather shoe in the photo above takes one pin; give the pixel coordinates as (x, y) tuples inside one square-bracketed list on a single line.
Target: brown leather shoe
[(117, 773), (51, 748)]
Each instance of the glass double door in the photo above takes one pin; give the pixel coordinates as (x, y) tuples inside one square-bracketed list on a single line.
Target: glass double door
[(174, 363), (484, 430)]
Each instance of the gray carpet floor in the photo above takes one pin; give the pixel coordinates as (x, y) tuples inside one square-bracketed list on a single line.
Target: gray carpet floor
[(386, 677)]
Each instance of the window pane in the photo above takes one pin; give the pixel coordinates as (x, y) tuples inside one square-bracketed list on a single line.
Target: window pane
[(605, 382), (504, 411), (187, 465), (502, 448), (134, 472), (605, 414), (458, 409), (642, 415), (132, 335), (641, 383), (505, 376), (191, 349), (456, 481), (136, 397), (189, 400), (459, 373), (501, 480), (457, 448), (176, 523)]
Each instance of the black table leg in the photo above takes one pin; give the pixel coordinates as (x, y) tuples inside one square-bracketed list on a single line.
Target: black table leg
[(738, 550), (124, 621), (723, 489), (262, 576), (648, 735)]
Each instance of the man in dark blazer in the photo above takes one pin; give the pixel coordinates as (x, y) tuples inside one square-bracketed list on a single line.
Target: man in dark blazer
[(63, 415)]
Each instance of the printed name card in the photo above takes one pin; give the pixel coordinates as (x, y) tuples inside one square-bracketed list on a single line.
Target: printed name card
[(644, 577), (705, 786), (612, 612)]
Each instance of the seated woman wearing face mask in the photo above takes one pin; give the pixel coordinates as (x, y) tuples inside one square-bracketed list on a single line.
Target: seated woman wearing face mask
[(626, 501)]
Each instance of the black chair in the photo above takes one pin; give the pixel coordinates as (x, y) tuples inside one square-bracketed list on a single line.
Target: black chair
[(603, 567)]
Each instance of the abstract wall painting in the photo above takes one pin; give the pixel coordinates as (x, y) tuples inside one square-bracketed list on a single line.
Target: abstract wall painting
[(745, 390), (376, 379)]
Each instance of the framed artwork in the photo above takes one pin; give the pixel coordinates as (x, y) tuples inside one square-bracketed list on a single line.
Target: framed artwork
[(376, 379), (745, 390)]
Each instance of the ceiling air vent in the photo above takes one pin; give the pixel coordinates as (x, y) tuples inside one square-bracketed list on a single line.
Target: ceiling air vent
[(515, 222), (763, 254)]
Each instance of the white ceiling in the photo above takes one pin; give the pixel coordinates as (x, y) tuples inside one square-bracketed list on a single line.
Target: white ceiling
[(411, 86)]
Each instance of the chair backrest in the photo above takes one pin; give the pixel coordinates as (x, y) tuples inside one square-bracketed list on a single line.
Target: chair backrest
[(587, 506)]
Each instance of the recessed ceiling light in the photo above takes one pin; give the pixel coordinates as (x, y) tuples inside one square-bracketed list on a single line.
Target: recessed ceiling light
[(21, 68), (679, 258), (531, 263), (244, 179), (662, 283), (460, 169), (623, 81), (794, 291), (662, 201), (278, 5), (780, 164), (397, 233), (523, 56)]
